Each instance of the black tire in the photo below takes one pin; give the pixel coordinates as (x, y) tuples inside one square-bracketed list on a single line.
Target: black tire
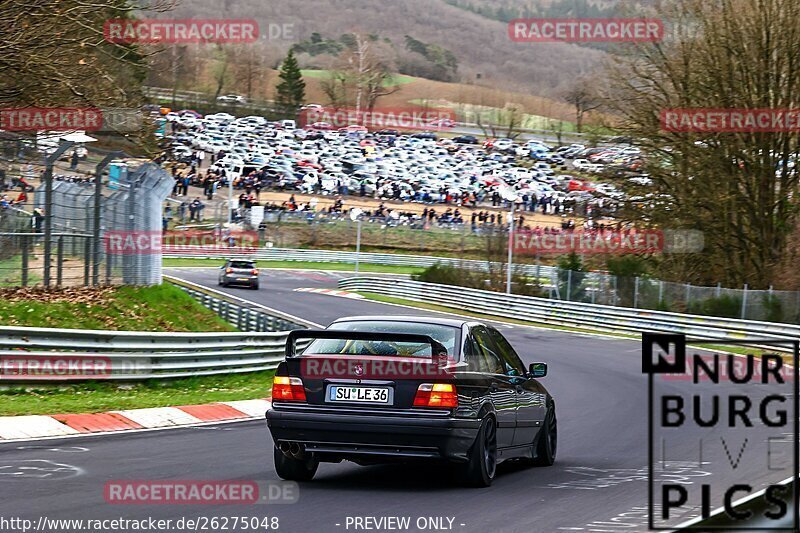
[(254, 287), (546, 442), (481, 468), (292, 469)]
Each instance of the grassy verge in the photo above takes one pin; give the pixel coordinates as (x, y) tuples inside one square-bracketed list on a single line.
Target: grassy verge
[(11, 272), (98, 397), (300, 265), (160, 308)]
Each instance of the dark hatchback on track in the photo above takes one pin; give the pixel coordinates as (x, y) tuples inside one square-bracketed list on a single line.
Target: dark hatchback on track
[(239, 272), (381, 389)]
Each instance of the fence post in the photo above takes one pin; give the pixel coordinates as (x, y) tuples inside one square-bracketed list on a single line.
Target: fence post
[(660, 291), (48, 206), (87, 257), (98, 190), (636, 293), (744, 302), (60, 261), (688, 295), (569, 284), (719, 289), (616, 296), (24, 240)]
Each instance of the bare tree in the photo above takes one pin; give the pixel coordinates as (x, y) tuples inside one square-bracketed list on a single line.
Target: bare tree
[(740, 188), (362, 77), (219, 69), (54, 53), (583, 96)]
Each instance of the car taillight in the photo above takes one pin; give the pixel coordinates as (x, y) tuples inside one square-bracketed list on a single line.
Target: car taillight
[(288, 389), (228, 270), (254, 272), (436, 395)]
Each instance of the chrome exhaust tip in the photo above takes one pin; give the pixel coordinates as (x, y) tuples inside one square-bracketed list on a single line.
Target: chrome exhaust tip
[(296, 450)]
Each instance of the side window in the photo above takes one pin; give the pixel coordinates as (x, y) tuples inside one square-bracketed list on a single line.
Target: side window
[(511, 361), (472, 355), (491, 363)]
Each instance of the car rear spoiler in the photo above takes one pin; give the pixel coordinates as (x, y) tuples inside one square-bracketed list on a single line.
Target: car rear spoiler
[(437, 348)]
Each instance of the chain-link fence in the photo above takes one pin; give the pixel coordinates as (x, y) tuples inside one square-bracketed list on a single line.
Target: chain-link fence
[(62, 225), (307, 229), (648, 293)]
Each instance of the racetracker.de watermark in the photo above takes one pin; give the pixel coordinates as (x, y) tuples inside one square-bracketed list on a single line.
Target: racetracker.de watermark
[(51, 119), (396, 118), (718, 120), (607, 242), (92, 119), (173, 31), (586, 30), (20, 365), (199, 492), (136, 242), (377, 367)]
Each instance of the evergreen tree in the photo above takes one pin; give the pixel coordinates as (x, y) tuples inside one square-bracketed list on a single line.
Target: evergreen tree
[(291, 90)]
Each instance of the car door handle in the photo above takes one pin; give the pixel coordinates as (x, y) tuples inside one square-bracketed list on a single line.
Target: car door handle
[(493, 387), (519, 389)]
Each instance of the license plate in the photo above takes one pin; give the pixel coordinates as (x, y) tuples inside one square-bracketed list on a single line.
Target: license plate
[(244, 279), (338, 393)]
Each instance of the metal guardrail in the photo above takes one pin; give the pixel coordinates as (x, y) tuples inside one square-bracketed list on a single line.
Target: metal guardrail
[(244, 315), (576, 315), (335, 256), (46, 355)]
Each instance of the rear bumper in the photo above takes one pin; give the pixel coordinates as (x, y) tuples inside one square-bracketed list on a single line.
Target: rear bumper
[(374, 435), (232, 279)]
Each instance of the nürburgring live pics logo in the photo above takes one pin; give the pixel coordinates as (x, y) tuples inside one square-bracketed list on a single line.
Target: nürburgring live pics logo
[(733, 414)]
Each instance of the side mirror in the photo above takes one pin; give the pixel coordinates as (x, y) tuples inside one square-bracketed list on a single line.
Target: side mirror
[(538, 370)]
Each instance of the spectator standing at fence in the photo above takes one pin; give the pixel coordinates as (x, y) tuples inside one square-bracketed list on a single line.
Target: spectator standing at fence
[(195, 210), (177, 186), (185, 181), (73, 162), (38, 219)]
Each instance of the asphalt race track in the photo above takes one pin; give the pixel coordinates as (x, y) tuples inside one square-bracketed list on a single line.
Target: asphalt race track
[(599, 481)]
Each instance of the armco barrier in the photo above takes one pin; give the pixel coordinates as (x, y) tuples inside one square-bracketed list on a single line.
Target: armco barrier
[(335, 256), (246, 316), (41, 354), (577, 315), (45, 355)]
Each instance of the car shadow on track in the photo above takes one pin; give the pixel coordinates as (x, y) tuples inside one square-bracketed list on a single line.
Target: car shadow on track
[(419, 477)]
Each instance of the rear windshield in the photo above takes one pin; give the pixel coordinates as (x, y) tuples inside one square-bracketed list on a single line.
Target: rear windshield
[(446, 335), (242, 264)]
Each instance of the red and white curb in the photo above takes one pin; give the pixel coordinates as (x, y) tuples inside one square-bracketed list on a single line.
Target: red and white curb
[(331, 292), (31, 427)]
